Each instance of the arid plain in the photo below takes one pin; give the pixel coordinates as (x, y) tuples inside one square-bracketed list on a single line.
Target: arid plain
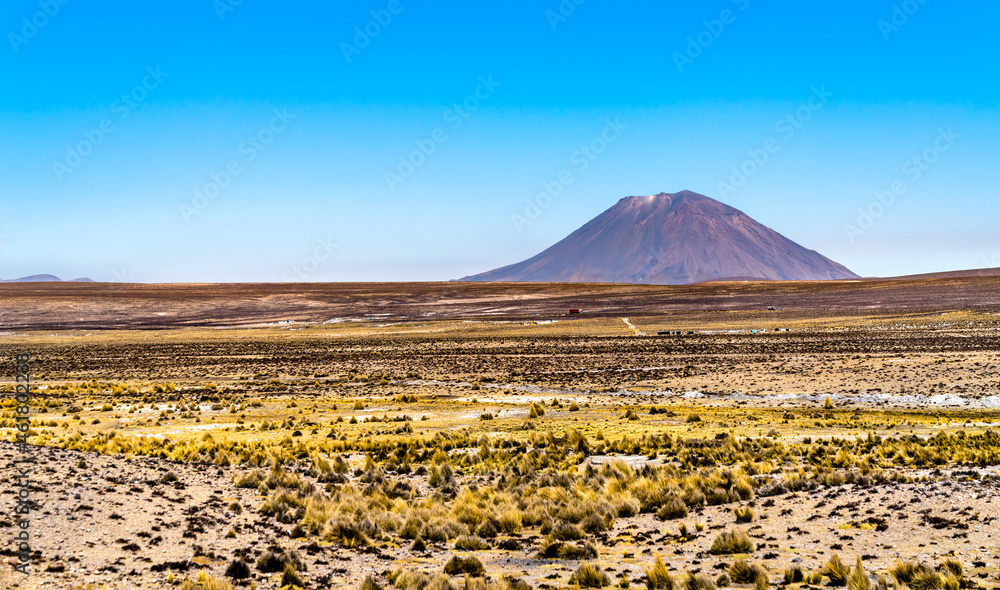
[(479, 435)]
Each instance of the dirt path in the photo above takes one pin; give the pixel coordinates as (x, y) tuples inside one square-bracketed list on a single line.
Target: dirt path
[(632, 327)]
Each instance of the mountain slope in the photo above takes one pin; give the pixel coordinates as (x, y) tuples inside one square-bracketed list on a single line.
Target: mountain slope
[(44, 279), (671, 239)]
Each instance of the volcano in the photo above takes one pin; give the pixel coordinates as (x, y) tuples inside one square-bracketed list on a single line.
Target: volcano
[(671, 239)]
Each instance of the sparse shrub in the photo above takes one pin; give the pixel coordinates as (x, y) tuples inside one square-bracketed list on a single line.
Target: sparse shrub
[(577, 552), (285, 505), (510, 521), (858, 578), (743, 515), (589, 576), (471, 543), (743, 572), (487, 529), (274, 560), (415, 580), (698, 582), (206, 582), (238, 569), (731, 542), (510, 583), (904, 571), (953, 566), (626, 506), (658, 577), (567, 532), (440, 476), (252, 479), (794, 575), (464, 565), (435, 534), (918, 576), (347, 531), (270, 561), (552, 549), (743, 488), (290, 577), (673, 509), (717, 496), (836, 571), (595, 523)]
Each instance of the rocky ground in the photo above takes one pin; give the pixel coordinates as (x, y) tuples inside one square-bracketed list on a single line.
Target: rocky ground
[(114, 522), (904, 361)]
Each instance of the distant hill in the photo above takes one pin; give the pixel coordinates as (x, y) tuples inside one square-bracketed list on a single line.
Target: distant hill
[(671, 239), (44, 279), (954, 274)]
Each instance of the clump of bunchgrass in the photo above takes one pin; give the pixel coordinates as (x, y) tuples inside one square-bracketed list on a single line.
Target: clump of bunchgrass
[(238, 569), (743, 572), (567, 532), (858, 578), (471, 543), (458, 565), (290, 577), (553, 549), (794, 575), (673, 509), (589, 576), (657, 576), (836, 571), (732, 542), (698, 582)]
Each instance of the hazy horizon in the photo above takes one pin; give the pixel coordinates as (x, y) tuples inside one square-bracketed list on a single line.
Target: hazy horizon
[(119, 119)]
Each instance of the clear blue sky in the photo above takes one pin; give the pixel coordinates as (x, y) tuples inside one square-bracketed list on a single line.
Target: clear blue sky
[(308, 190)]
